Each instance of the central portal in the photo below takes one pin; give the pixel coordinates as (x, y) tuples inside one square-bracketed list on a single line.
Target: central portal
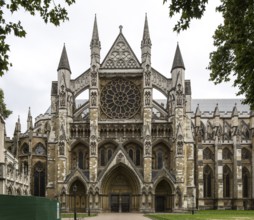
[(120, 194), (120, 203), (120, 190)]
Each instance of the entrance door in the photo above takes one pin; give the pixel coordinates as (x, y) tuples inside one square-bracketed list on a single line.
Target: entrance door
[(114, 203), (120, 203), (163, 197), (125, 203), (160, 203)]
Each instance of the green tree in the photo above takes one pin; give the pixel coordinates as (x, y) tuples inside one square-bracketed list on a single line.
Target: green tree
[(233, 39), (4, 112), (48, 10)]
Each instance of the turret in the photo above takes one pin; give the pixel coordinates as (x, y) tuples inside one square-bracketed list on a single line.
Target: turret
[(64, 75), (95, 45), (147, 101), (29, 120), (178, 69), (146, 45)]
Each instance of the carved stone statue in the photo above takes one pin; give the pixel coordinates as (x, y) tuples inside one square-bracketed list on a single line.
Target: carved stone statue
[(62, 96)]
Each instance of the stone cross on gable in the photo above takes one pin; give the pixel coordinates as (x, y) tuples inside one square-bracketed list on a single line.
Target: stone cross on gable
[(120, 28)]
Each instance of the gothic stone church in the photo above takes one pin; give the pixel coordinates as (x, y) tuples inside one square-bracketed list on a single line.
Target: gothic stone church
[(125, 151)]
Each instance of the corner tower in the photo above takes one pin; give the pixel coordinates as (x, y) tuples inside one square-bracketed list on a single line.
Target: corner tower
[(95, 47), (147, 102)]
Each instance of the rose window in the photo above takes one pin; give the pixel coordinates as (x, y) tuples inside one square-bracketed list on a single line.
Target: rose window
[(120, 99)]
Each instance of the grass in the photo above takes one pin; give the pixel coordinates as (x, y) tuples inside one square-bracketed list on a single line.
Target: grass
[(206, 215), (79, 215)]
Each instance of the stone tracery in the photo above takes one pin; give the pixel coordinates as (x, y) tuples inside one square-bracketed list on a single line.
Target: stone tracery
[(120, 99)]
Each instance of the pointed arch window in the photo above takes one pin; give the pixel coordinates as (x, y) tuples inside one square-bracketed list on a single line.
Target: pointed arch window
[(81, 160), (207, 176), (138, 154), (39, 180), (207, 154), (131, 154), (159, 160), (245, 179), (226, 181), (109, 154), (246, 154), (102, 157), (226, 154), (25, 164)]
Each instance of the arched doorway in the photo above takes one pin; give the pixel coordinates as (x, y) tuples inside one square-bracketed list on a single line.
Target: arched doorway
[(120, 190), (81, 195), (163, 197)]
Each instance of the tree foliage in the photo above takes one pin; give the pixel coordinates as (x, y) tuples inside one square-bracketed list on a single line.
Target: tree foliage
[(48, 10), (233, 39), (4, 112)]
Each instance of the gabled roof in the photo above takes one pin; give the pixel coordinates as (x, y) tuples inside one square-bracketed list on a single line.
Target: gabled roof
[(120, 56)]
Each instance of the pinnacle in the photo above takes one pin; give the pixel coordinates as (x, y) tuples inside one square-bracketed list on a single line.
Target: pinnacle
[(95, 37), (234, 112), (95, 30), (178, 60), (146, 35), (64, 62), (198, 112), (216, 111)]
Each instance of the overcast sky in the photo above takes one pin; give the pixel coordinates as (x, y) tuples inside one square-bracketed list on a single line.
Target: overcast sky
[(35, 58)]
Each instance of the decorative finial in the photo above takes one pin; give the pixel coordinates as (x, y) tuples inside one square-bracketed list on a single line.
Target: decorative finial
[(120, 28)]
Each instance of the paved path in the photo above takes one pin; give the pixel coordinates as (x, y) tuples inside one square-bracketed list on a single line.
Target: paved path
[(115, 216), (119, 216)]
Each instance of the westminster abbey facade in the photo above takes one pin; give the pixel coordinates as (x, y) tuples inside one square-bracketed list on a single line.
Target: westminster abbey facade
[(124, 150)]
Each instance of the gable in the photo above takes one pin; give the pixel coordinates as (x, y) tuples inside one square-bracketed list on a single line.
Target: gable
[(120, 56)]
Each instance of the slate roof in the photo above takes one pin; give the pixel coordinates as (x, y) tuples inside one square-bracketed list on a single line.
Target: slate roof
[(224, 105), (208, 105)]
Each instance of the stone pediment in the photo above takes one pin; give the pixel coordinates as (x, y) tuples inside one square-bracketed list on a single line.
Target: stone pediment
[(120, 56), (163, 173), (120, 158), (77, 173)]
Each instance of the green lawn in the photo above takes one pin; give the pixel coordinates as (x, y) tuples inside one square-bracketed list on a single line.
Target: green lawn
[(71, 215), (206, 215)]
